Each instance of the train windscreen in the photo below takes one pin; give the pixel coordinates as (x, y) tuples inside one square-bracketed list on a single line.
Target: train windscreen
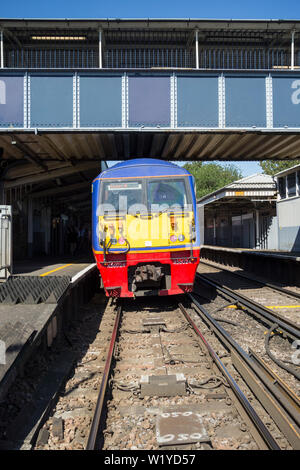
[(120, 196), (166, 192), (144, 196)]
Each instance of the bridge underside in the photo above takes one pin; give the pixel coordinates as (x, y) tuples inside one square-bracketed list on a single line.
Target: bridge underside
[(80, 146)]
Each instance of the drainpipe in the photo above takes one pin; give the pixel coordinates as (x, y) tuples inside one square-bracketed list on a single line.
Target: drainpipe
[(30, 228), (100, 48), (258, 241), (1, 51), (197, 48), (293, 50)]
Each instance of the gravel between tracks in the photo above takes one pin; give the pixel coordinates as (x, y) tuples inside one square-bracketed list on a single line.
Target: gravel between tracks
[(249, 332)]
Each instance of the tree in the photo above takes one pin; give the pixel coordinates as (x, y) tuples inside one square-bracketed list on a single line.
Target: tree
[(271, 167), (212, 176)]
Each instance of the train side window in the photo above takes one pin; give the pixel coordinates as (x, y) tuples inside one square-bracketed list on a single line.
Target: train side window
[(291, 184)]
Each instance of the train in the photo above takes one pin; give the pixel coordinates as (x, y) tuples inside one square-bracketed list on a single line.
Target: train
[(145, 228)]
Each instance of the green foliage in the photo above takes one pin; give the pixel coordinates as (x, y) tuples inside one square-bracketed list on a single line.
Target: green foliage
[(212, 176), (271, 167)]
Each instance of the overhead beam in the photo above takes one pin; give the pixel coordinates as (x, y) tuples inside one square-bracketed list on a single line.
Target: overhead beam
[(27, 152), (59, 190), (51, 174)]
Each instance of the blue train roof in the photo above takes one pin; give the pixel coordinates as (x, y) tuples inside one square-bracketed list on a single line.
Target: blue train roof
[(143, 167)]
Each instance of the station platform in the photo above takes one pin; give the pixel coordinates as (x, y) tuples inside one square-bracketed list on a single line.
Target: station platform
[(295, 256), (51, 267), (28, 322), (278, 266)]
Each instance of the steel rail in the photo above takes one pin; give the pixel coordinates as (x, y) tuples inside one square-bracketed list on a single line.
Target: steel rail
[(284, 410), (288, 327), (255, 419), (282, 290), (94, 430)]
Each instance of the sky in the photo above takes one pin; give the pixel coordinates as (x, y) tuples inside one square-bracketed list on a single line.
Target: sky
[(230, 9), (237, 9)]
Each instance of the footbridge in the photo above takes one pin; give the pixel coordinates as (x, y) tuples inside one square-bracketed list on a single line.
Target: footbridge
[(176, 89), (76, 93)]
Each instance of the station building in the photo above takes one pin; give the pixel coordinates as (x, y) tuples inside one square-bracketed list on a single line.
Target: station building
[(288, 209), (241, 215), (257, 212)]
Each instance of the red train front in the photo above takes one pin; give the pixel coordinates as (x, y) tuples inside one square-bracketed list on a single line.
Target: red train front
[(145, 228)]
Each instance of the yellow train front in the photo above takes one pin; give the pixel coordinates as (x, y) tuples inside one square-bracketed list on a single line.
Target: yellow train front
[(146, 238)]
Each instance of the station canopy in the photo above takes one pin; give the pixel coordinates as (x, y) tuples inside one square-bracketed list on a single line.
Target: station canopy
[(242, 194)]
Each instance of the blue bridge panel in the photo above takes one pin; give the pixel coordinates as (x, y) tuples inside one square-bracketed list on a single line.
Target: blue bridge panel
[(197, 101), (100, 101), (245, 101), (11, 101), (51, 99), (118, 100), (149, 101), (286, 101)]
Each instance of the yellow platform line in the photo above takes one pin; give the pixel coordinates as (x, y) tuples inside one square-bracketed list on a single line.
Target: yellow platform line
[(283, 306), (56, 269), (271, 306)]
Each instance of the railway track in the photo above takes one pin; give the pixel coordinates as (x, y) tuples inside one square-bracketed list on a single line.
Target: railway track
[(155, 374), (162, 379), (158, 421), (213, 283), (284, 303), (277, 398)]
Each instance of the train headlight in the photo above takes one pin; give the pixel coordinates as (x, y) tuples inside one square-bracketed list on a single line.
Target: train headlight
[(173, 238), (121, 241), (181, 238)]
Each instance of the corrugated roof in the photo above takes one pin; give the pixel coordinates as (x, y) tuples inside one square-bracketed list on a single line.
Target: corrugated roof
[(258, 181), (164, 144), (288, 170)]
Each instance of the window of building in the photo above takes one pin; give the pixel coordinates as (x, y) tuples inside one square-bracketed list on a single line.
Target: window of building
[(282, 187), (291, 184)]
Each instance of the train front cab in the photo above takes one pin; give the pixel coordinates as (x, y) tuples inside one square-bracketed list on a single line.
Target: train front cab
[(146, 248)]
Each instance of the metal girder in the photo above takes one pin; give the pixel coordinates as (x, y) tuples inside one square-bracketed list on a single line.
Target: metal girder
[(28, 153), (59, 190), (52, 174)]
